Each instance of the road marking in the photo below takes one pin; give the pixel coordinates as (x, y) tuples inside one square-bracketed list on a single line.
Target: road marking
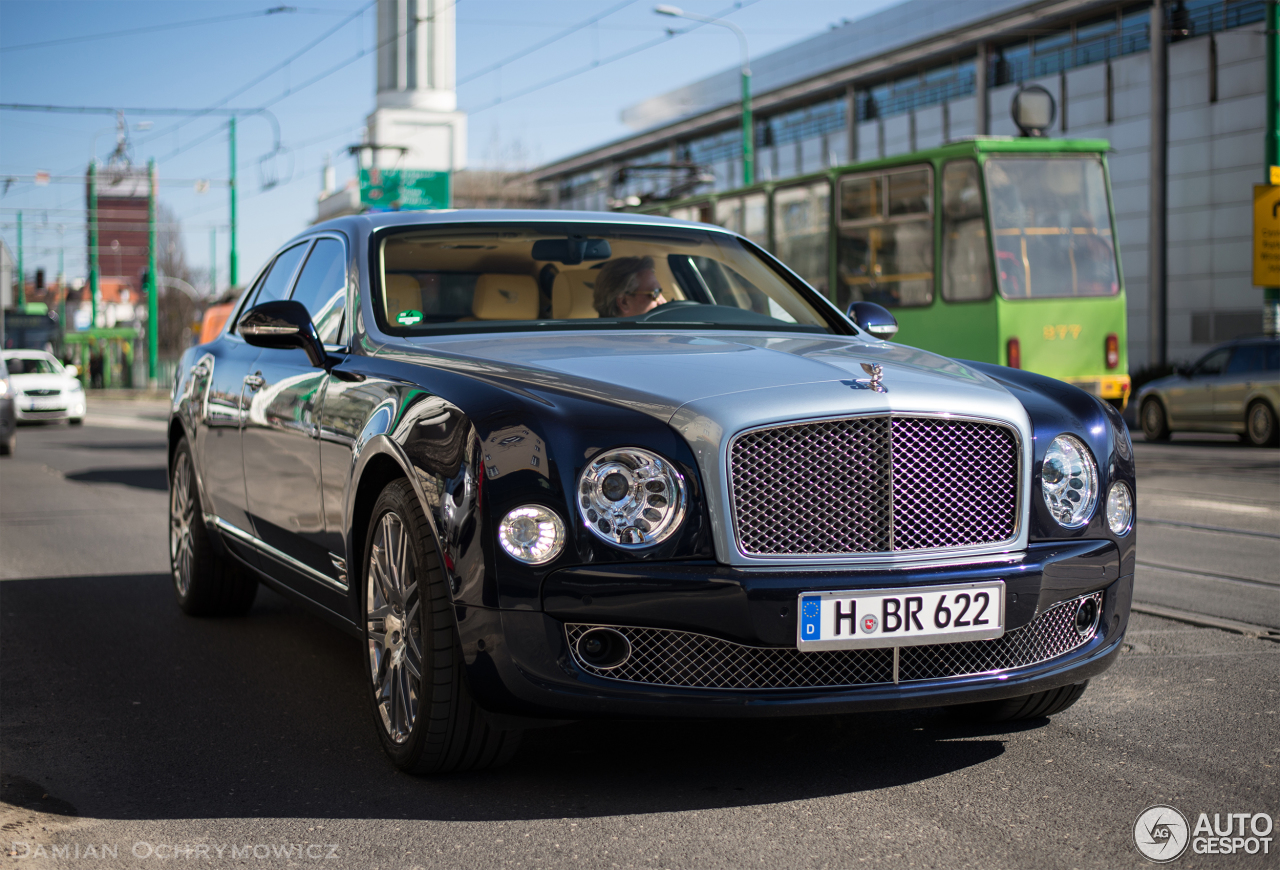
[(1230, 507), (127, 423), (1222, 529)]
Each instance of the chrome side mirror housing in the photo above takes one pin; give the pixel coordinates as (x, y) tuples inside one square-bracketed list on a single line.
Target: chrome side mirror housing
[(874, 319), (282, 324)]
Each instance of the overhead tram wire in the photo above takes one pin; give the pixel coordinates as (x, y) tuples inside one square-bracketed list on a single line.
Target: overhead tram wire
[(644, 46), (544, 43), (275, 10)]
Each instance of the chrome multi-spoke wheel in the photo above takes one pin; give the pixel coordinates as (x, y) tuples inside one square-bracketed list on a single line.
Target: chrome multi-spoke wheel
[(393, 627), (182, 511)]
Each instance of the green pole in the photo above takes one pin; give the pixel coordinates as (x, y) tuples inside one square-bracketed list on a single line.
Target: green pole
[(62, 285), (748, 133), (213, 262), (93, 243), (153, 303), (1271, 295), (22, 275), (233, 273)]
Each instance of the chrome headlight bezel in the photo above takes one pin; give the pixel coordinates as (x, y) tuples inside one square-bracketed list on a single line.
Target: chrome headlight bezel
[(516, 525), (647, 499), (1120, 507), (1068, 462)]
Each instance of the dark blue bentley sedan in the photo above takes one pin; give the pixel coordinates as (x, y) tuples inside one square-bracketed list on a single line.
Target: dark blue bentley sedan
[(560, 465)]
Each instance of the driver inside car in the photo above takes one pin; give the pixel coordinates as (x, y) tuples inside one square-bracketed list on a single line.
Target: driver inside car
[(627, 287)]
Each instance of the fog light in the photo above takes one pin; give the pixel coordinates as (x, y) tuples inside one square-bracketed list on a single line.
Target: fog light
[(1086, 617), (1119, 509), (531, 534), (604, 648)]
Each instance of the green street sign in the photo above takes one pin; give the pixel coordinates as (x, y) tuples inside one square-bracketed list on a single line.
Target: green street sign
[(404, 188)]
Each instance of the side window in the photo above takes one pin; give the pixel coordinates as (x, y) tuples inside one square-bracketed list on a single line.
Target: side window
[(1213, 364), (966, 263), (885, 252), (322, 288), (276, 283), (800, 227), (1273, 357)]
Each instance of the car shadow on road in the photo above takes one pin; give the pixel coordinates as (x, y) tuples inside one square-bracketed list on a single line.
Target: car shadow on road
[(126, 709), (142, 478)]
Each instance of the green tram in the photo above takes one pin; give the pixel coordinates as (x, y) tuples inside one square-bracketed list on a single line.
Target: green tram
[(1017, 266)]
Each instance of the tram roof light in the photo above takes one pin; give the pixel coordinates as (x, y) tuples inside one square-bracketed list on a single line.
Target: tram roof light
[(1033, 110)]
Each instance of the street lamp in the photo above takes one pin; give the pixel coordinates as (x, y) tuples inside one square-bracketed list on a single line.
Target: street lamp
[(748, 137)]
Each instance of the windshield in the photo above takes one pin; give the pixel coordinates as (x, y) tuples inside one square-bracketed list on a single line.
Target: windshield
[(486, 278), (19, 365), (1052, 227)]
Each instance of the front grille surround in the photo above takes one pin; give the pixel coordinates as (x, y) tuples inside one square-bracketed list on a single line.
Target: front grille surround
[(884, 541), (688, 660)]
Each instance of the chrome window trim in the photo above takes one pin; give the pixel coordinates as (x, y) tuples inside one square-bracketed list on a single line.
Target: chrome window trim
[(268, 550), (891, 558)]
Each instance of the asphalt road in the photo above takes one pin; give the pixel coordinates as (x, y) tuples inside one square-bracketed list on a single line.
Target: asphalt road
[(125, 725)]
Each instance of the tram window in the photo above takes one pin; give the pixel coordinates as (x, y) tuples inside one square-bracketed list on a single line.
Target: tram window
[(885, 248), (699, 213), (966, 262), (1052, 226), (860, 198), (800, 221)]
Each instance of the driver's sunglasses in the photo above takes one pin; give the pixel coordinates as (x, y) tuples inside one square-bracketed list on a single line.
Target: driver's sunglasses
[(652, 294)]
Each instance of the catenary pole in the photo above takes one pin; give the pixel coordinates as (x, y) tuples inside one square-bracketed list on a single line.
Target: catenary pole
[(1271, 295), (93, 243), (22, 275), (153, 305), (233, 276)]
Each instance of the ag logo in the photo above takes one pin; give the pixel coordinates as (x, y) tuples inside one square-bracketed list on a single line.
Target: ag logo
[(869, 623), (1161, 833)]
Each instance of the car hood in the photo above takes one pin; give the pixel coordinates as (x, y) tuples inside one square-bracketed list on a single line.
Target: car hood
[(666, 374)]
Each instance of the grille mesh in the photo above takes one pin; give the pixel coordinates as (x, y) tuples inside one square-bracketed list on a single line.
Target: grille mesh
[(683, 659), (873, 484)]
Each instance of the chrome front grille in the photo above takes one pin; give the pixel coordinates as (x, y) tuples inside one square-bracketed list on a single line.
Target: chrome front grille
[(873, 485), (696, 661)]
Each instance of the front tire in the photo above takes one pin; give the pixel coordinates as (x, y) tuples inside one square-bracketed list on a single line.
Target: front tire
[(76, 421), (424, 714), (1260, 425), (1036, 706), (205, 582), (1155, 423)]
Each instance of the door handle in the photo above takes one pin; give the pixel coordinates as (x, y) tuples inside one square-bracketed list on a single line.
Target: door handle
[(254, 382)]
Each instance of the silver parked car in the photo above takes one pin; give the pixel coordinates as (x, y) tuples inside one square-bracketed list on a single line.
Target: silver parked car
[(1233, 388)]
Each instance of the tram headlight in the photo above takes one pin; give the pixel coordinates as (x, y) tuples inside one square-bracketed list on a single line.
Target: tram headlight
[(1069, 481)]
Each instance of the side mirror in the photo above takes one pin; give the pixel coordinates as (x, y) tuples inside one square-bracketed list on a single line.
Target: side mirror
[(72, 371), (874, 318), (282, 324)]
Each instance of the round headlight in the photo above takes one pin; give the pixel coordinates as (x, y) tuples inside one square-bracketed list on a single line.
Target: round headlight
[(1120, 509), (631, 497), (531, 534), (1069, 481)]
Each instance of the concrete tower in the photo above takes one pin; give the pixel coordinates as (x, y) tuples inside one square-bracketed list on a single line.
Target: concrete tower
[(417, 105)]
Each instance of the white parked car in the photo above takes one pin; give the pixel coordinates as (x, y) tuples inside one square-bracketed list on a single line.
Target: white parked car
[(43, 388)]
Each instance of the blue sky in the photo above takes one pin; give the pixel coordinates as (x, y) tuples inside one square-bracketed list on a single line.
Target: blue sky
[(200, 65)]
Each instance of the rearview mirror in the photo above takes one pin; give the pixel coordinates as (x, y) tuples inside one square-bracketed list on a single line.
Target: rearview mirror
[(572, 250), (874, 318), (72, 371), (282, 324)]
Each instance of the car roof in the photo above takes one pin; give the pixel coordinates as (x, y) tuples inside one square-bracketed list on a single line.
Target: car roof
[(436, 217), (27, 353)]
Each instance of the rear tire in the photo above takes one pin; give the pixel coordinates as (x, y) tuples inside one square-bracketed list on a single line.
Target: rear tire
[(1260, 425), (426, 718), (1035, 706), (1155, 423), (205, 582)]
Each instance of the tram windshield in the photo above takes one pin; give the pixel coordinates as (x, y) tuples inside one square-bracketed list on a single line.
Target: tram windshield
[(1052, 227)]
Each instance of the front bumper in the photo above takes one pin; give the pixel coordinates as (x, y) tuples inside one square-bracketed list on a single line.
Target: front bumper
[(519, 661), (69, 406)]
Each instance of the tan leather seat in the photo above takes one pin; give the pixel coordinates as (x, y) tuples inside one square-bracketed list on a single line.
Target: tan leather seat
[(571, 295), (402, 293), (505, 297)]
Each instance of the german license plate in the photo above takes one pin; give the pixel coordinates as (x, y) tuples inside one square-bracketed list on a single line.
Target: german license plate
[(900, 617), (48, 405)]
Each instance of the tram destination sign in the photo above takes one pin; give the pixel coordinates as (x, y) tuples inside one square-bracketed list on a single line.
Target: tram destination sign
[(404, 188)]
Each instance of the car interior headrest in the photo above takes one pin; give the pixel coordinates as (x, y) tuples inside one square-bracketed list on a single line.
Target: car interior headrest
[(572, 294), (403, 293), (505, 297)]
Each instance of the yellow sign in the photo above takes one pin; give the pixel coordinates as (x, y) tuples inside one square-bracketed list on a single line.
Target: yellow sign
[(1266, 235), (1275, 174)]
